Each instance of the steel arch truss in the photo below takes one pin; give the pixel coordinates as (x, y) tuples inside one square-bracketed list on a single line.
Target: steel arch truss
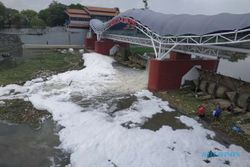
[(164, 44)]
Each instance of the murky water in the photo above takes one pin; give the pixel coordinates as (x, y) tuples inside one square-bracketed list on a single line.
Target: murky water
[(22, 146), (165, 118)]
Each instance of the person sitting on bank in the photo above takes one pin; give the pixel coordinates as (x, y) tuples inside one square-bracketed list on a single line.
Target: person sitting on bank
[(201, 112), (217, 111), (230, 108)]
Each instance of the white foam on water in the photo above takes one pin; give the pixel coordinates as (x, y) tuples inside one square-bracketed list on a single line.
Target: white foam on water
[(96, 138)]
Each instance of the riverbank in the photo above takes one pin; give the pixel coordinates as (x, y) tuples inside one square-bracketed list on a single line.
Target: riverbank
[(185, 102), (38, 63), (35, 63)]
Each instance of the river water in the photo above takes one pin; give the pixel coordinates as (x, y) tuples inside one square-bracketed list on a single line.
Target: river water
[(23, 146), (108, 118)]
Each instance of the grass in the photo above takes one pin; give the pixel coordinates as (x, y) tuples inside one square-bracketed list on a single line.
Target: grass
[(140, 50), (12, 71)]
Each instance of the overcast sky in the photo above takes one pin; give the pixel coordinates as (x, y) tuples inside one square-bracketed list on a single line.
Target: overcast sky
[(165, 6)]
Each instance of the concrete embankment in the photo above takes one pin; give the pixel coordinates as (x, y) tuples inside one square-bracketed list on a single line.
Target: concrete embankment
[(41, 46)]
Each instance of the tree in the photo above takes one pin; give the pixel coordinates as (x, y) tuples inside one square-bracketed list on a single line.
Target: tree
[(57, 14), (2, 14), (10, 13), (44, 15), (76, 6), (37, 22), (54, 15), (29, 15), (18, 20)]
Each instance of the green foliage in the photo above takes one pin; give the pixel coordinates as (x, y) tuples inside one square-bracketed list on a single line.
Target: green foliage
[(76, 6), (18, 20), (37, 23), (54, 15), (141, 50), (29, 15), (44, 15), (2, 14)]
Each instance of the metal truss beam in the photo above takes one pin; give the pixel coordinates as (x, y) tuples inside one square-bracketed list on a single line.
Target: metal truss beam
[(164, 49), (232, 37), (193, 44)]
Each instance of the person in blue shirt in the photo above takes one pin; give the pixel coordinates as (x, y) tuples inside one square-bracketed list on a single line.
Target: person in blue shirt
[(217, 111)]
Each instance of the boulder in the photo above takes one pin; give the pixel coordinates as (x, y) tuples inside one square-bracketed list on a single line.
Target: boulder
[(231, 96), (81, 51), (221, 92), (71, 50), (203, 85), (211, 88), (242, 100)]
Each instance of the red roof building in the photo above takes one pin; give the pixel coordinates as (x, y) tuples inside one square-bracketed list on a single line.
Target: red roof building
[(79, 18)]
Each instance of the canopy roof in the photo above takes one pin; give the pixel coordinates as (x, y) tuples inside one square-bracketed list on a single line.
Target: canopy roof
[(185, 24)]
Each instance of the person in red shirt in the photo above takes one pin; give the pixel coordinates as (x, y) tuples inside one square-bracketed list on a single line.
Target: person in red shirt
[(201, 112)]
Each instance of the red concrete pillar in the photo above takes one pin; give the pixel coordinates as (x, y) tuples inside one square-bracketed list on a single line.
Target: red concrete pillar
[(90, 43), (179, 56), (167, 74), (103, 46)]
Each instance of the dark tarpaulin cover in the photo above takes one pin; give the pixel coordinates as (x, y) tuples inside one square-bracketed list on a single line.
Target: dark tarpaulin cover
[(184, 24), (171, 24)]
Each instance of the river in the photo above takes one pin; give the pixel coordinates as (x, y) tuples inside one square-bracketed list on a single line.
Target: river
[(108, 119)]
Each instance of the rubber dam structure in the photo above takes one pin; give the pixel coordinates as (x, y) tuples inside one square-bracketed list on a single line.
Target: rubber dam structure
[(174, 38)]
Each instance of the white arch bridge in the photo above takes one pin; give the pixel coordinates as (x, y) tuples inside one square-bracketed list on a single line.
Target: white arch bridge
[(192, 34)]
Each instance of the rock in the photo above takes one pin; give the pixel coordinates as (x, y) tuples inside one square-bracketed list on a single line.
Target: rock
[(224, 104), (114, 50), (211, 88), (2, 103), (64, 51), (12, 91), (231, 96), (203, 86), (81, 51), (242, 100), (221, 92), (205, 97)]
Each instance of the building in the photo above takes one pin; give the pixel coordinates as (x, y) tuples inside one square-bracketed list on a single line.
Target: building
[(79, 18)]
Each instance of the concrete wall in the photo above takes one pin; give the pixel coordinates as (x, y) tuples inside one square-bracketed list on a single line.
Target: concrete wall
[(52, 36)]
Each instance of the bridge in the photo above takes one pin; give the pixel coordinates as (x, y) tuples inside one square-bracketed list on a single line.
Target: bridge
[(179, 36)]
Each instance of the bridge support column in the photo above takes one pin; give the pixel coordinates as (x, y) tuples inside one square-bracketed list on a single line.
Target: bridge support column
[(90, 42), (103, 46), (167, 74)]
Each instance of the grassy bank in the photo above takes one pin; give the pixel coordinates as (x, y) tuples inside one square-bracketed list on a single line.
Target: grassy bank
[(22, 112), (140, 50), (33, 64), (185, 102), (51, 61)]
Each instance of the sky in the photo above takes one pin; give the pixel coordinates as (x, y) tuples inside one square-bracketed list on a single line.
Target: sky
[(209, 7)]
